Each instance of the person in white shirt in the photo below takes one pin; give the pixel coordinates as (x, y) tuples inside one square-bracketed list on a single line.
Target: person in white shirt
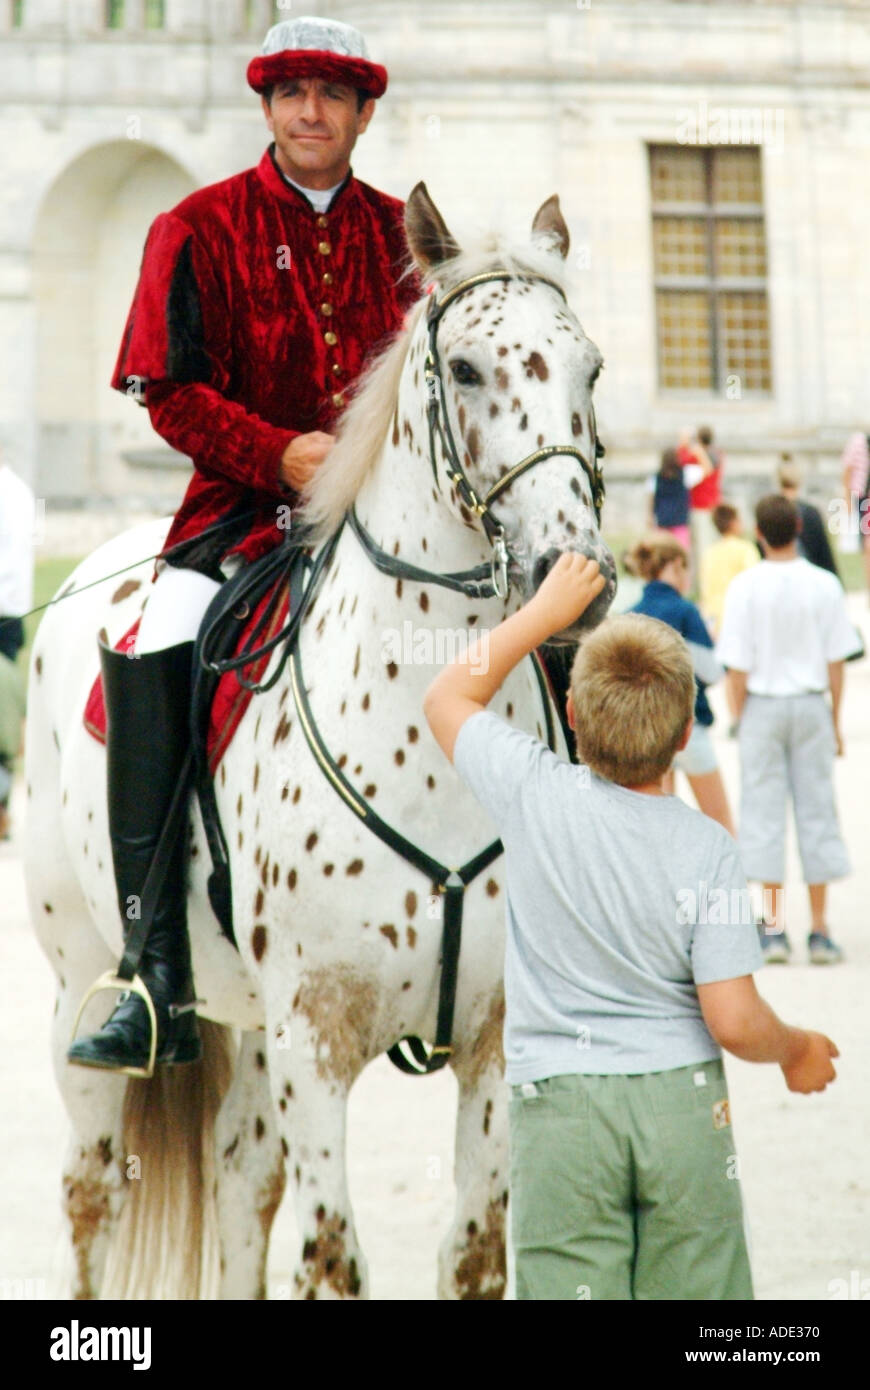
[(785, 636), (17, 511)]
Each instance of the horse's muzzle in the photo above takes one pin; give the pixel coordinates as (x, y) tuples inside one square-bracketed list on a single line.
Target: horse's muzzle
[(598, 608)]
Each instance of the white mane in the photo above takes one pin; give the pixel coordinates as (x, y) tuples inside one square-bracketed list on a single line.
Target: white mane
[(364, 424)]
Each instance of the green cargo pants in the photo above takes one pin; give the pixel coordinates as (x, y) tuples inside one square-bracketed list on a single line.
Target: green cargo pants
[(627, 1187)]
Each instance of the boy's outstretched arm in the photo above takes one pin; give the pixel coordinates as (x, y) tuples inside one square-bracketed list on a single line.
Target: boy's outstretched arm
[(468, 684), (745, 1024)]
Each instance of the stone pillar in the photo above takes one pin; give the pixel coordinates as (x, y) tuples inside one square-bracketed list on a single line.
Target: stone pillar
[(17, 382), (134, 16), (187, 18), (261, 18), (46, 16), (86, 18), (228, 19)]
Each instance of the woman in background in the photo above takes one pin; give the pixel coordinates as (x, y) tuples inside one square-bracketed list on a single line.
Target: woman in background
[(663, 563), (856, 486)]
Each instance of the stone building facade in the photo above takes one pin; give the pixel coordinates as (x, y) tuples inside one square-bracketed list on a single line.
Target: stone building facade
[(710, 157)]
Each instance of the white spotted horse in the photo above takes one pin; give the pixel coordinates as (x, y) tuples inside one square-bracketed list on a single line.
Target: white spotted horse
[(466, 462)]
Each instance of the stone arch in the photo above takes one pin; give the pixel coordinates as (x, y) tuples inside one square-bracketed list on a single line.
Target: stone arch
[(87, 249)]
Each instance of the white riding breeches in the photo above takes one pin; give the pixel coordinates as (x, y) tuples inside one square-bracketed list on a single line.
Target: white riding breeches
[(176, 606)]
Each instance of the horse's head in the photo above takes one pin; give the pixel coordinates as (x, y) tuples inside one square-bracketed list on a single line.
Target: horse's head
[(513, 373)]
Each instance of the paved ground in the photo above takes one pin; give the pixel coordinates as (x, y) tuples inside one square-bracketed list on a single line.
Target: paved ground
[(804, 1159)]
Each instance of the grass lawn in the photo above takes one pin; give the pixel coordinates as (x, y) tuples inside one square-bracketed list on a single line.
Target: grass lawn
[(48, 578)]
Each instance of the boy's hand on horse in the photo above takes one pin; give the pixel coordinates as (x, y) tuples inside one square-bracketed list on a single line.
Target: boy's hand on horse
[(569, 588), (302, 457)]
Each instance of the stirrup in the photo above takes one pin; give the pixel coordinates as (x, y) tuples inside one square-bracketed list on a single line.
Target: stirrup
[(137, 985)]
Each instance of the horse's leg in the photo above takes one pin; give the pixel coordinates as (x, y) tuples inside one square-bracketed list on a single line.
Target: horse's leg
[(96, 1172), (472, 1262), (250, 1173), (316, 1060)]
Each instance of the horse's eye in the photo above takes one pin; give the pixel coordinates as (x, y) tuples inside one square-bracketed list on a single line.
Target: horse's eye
[(463, 372)]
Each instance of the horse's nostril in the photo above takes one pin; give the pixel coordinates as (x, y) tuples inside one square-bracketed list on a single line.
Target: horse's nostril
[(542, 567)]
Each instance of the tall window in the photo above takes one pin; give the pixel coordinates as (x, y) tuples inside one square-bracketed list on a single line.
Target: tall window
[(114, 14), (710, 267), (154, 14), (17, 13)]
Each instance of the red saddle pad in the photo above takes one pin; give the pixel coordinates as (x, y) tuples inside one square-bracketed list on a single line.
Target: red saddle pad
[(230, 699)]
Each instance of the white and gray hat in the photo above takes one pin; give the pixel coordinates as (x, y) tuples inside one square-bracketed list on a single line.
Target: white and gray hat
[(313, 47)]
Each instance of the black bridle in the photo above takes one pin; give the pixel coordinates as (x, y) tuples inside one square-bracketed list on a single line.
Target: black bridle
[(485, 581)]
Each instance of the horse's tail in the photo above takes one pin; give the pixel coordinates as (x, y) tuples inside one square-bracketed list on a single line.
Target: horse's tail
[(167, 1237)]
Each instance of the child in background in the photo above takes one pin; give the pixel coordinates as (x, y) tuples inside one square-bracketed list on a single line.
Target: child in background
[(619, 992), (664, 564), (669, 501), (725, 558)]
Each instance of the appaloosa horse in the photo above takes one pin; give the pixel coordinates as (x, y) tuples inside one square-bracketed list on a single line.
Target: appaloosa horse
[(339, 937)]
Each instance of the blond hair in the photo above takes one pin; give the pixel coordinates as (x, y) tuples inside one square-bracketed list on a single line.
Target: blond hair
[(633, 692), (649, 556)]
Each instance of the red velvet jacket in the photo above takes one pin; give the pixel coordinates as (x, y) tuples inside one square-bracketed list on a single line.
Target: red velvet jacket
[(252, 317)]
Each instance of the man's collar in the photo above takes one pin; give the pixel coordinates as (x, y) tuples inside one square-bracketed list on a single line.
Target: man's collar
[(272, 175)]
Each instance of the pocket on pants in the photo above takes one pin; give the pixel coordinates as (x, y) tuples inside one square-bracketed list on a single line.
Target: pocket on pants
[(551, 1183), (698, 1155)]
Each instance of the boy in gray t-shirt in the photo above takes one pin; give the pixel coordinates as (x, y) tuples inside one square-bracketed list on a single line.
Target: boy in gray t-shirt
[(629, 956)]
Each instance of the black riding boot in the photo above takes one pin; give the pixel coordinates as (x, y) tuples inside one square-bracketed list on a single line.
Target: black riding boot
[(558, 662), (147, 702)]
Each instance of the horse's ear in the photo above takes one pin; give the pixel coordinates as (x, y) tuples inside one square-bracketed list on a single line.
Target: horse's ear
[(426, 230), (548, 221)]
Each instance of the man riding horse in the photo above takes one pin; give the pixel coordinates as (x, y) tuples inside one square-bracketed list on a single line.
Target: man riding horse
[(259, 299)]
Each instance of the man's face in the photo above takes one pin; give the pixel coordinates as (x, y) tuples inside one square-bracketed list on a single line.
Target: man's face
[(315, 125)]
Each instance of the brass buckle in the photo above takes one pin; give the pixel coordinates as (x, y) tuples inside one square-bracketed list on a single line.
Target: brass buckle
[(110, 980)]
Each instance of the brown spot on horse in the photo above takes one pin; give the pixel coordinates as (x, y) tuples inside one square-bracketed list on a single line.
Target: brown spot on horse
[(124, 590), (482, 1269), (341, 1008), (536, 366), (326, 1259), (486, 1051)]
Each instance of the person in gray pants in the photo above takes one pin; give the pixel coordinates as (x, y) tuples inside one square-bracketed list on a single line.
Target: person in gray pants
[(785, 636)]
